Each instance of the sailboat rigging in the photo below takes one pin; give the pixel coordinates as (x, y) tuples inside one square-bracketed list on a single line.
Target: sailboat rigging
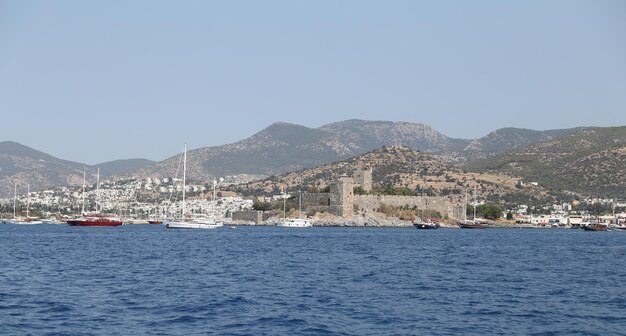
[(204, 223), (293, 222)]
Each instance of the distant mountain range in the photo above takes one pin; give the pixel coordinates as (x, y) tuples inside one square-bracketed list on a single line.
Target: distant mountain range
[(275, 150), (283, 147), (25, 166)]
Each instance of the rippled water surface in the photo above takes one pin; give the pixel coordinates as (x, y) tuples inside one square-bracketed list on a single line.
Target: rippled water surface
[(143, 279)]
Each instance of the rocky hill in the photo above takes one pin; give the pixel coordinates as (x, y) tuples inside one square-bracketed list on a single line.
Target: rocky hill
[(283, 147), (398, 167), (588, 162), (507, 139), (26, 166)]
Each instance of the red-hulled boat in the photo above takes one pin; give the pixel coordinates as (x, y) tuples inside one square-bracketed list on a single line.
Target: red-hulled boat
[(155, 222), (95, 220)]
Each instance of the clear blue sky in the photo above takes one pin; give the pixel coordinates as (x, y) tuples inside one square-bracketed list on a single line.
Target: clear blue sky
[(93, 81)]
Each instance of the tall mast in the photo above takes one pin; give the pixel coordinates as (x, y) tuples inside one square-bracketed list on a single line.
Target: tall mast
[(465, 207), (82, 209), (300, 206), (184, 177), (214, 197), (97, 189), (284, 204), (27, 199), (475, 202), (614, 217), (14, 200)]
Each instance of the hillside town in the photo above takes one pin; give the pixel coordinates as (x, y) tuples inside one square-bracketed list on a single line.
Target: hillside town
[(134, 200), (139, 200)]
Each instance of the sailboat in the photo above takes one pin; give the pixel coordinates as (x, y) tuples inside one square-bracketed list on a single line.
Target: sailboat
[(94, 219), (293, 222), (474, 223), (204, 223), (152, 219), (26, 220), (429, 224)]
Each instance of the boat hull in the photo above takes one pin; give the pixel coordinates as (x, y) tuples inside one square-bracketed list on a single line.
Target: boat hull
[(294, 223), (595, 227), (17, 222), (425, 226), (155, 222), (93, 223), (191, 225), (472, 225)]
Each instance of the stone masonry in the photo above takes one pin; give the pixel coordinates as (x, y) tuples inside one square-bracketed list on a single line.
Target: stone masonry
[(342, 197), (363, 178), (373, 202)]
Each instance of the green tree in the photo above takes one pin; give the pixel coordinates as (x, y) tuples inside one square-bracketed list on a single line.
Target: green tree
[(261, 206), (359, 190), (489, 210), (597, 209)]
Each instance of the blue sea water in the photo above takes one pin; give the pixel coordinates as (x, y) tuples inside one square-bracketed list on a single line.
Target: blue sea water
[(145, 279)]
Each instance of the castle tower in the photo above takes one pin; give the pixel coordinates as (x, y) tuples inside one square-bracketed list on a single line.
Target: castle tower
[(363, 178), (341, 196)]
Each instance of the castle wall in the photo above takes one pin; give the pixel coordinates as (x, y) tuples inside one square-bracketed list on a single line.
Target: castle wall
[(257, 217), (249, 216), (315, 199), (341, 201), (373, 202)]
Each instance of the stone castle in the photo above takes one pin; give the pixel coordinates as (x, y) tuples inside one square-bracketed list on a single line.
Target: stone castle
[(341, 201)]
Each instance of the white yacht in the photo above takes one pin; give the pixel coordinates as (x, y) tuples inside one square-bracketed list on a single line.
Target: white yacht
[(24, 220), (294, 222), (200, 223)]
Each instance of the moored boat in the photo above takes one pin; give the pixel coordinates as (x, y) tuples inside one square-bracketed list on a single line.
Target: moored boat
[(298, 222), (473, 223), (294, 222), (596, 227), (470, 224), (52, 221), (156, 221), (425, 225), (23, 221), (200, 223), (95, 220)]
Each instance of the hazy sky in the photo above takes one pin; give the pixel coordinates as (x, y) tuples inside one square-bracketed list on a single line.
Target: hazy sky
[(93, 81)]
